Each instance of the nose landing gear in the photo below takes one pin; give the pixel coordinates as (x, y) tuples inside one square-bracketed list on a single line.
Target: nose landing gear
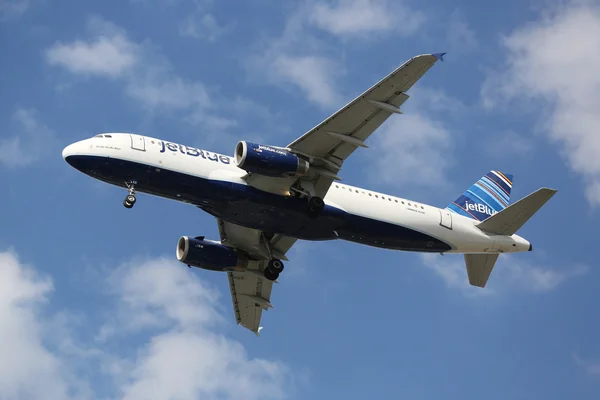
[(130, 199)]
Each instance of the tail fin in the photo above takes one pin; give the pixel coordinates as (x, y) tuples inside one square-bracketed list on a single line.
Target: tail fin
[(505, 222), (488, 196)]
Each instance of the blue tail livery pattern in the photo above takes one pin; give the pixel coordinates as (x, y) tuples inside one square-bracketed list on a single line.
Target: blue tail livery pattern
[(489, 195)]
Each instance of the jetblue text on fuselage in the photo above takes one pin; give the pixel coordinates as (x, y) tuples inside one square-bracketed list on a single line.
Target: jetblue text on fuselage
[(190, 151), (482, 208)]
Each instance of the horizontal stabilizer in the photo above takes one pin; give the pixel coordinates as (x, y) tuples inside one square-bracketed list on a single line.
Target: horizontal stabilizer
[(512, 218), (479, 267)]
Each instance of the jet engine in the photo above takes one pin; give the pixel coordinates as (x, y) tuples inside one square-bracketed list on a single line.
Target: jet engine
[(207, 254), (269, 161)]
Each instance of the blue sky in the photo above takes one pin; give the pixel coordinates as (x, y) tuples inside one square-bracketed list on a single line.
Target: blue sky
[(93, 303)]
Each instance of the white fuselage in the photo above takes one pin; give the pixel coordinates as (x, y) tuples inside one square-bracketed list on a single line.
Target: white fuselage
[(174, 171)]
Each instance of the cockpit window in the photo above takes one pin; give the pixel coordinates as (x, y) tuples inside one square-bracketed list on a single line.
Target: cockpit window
[(98, 136), (109, 136), (103, 136)]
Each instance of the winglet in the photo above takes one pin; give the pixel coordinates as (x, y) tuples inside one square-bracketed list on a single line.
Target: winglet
[(260, 328), (439, 56)]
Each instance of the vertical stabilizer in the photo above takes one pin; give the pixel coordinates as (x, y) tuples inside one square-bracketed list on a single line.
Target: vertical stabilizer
[(488, 196)]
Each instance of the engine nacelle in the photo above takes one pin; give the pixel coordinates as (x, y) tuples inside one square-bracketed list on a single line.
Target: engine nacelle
[(269, 161), (210, 255)]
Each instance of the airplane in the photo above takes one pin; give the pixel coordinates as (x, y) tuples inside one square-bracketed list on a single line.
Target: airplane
[(266, 197)]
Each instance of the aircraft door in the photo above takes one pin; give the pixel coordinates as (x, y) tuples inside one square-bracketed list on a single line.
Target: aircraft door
[(138, 142), (446, 218)]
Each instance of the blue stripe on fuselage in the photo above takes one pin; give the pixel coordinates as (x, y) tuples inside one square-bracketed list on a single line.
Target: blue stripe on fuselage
[(248, 206)]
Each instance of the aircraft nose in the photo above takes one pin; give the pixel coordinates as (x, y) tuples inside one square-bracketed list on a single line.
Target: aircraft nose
[(68, 151), (72, 152)]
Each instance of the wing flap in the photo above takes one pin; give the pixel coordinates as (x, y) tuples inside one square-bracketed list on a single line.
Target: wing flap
[(479, 268), (250, 291), (250, 295)]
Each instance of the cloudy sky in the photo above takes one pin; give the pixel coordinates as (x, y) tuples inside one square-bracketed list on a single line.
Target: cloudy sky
[(93, 304)]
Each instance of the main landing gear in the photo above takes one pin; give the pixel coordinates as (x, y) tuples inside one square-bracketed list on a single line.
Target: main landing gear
[(130, 199), (275, 266), (315, 206)]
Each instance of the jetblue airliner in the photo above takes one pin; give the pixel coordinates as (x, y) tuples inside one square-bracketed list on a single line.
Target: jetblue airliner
[(266, 197)]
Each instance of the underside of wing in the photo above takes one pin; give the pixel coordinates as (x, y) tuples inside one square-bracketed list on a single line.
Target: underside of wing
[(331, 142), (250, 294), (338, 136), (250, 290)]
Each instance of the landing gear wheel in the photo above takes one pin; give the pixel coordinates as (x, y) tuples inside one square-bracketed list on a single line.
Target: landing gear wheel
[(276, 266), (270, 274), (130, 199), (315, 206)]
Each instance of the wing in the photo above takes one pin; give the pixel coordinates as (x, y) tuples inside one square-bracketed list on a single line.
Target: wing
[(329, 144), (250, 291), (332, 141)]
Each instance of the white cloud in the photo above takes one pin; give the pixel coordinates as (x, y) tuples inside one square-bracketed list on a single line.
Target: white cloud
[(451, 268), (554, 60), (416, 149), (188, 365), (160, 307), (296, 59), (28, 370), (111, 56), (509, 144), (412, 149), (188, 360), (460, 36), (203, 26), (357, 17), (13, 8), (28, 141), (159, 292), (148, 77), (590, 367), (540, 278), (300, 57), (169, 92), (509, 273), (314, 75)]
